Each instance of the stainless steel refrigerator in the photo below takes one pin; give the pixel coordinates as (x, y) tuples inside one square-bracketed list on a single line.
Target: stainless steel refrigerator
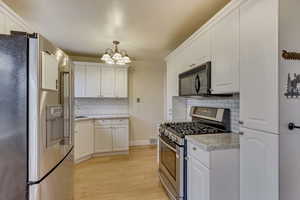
[(36, 142)]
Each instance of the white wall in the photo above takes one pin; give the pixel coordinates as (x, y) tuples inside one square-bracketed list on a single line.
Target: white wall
[(146, 81)]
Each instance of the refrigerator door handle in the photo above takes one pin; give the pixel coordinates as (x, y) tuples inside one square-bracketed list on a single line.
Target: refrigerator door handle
[(48, 173)]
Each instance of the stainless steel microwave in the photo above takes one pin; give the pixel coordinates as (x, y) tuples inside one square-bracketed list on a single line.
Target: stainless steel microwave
[(196, 82)]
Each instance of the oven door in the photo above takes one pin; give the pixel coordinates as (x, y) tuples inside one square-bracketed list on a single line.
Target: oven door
[(171, 163)]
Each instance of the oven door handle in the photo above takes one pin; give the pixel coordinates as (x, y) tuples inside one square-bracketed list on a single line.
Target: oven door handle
[(169, 146)]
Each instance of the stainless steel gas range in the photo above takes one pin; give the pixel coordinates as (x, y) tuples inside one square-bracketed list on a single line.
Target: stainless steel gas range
[(172, 145)]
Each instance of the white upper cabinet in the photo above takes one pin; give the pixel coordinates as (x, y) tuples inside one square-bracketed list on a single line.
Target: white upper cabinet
[(121, 85), (13, 25), (259, 100), (107, 81), (49, 72), (92, 80), (172, 86), (259, 169), (96, 80), (2, 23), (225, 54), (79, 79), (197, 53)]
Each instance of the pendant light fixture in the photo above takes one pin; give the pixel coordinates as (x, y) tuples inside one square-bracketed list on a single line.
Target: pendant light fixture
[(115, 56)]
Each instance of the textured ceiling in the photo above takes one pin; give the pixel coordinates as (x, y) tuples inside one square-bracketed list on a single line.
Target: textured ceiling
[(147, 29)]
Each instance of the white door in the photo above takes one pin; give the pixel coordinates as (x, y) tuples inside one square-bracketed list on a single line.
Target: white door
[(121, 77), (49, 72), (79, 80), (107, 81), (225, 55), (259, 165), (197, 180), (259, 65), (120, 138), (84, 137), (103, 139), (92, 80)]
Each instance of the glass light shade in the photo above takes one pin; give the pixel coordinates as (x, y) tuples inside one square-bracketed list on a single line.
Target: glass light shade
[(105, 57), (110, 61), (126, 59), (120, 62), (117, 56)]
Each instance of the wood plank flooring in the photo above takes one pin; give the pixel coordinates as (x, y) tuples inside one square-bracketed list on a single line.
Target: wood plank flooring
[(122, 177)]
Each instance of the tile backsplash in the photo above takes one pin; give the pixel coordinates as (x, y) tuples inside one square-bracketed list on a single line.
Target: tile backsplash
[(107, 106), (181, 107)]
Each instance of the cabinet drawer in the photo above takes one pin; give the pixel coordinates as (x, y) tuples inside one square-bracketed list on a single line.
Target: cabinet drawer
[(120, 121), (199, 154), (102, 122)]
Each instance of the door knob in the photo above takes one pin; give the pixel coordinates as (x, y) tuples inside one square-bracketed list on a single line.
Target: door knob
[(292, 126)]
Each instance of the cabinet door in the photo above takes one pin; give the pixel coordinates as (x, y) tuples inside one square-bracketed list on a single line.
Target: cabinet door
[(49, 72), (13, 25), (84, 137), (259, 65), (225, 55), (79, 80), (107, 82), (120, 138), (172, 87), (92, 80), (259, 165), (103, 139), (121, 77), (200, 50), (2, 23), (197, 180)]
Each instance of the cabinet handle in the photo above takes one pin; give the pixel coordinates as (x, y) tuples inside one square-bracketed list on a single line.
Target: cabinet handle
[(194, 149), (292, 126), (241, 133)]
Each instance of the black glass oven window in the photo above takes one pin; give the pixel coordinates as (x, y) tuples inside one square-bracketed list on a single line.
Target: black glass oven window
[(168, 159), (207, 112)]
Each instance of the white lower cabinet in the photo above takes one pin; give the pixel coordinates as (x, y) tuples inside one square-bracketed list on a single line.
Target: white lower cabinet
[(212, 175), (103, 139), (100, 136), (198, 180), (120, 138), (84, 139), (259, 167)]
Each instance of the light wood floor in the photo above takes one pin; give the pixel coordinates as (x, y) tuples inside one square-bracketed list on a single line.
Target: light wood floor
[(126, 177)]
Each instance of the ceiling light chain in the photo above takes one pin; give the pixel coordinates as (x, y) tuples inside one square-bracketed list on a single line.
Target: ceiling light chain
[(116, 56)]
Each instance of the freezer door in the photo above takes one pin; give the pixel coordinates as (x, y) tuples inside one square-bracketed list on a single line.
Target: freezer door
[(57, 185), (13, 117)]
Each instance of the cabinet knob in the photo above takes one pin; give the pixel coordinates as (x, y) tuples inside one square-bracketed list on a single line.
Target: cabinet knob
[(241, 122), (241, 133), (194, 149)]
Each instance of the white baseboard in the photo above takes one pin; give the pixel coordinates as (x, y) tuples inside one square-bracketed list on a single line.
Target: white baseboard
[(139, 142)]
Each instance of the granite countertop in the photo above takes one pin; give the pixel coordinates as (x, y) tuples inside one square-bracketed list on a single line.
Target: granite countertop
[(211, 142), (114, 116)]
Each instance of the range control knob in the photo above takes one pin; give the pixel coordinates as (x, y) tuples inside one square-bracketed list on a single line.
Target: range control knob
[(174, 139)]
